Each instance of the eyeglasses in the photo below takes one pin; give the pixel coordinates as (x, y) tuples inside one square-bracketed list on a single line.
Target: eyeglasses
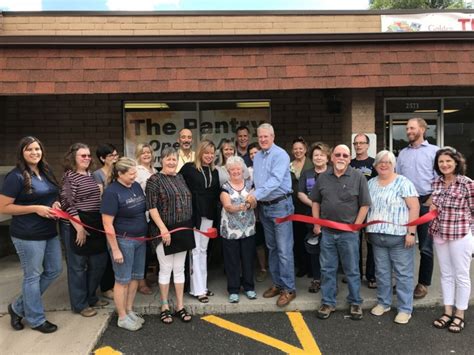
[(85, 156), (359, 143), (384, 162), (112, 155), (344, 155)]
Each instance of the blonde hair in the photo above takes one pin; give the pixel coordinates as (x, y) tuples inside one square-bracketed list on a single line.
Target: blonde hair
[(139, 151), (122, 165), (203, 147)]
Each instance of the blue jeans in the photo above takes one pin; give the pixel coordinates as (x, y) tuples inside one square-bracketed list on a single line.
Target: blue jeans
[(390, 255), (133, 266), (346, 245), (279, 240), (41, 262), (83, 272)]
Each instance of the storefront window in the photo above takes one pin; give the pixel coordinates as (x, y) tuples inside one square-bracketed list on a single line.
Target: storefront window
[(459, 128), (158, 123)]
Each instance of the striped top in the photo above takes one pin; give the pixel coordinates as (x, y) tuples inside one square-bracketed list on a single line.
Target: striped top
[(388, 204), (79, 192), (170, 195)]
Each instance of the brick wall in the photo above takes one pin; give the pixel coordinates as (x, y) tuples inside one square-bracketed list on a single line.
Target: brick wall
[(60, 120), (187, 25)]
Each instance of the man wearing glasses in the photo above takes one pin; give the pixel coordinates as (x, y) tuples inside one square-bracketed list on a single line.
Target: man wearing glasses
[(341, 195), (365, 164)]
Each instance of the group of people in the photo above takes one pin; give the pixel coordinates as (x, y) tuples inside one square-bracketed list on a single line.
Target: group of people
[(243, 193)]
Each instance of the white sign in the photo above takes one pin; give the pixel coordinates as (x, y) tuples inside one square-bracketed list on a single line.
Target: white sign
[(434, 22), (160, 128)]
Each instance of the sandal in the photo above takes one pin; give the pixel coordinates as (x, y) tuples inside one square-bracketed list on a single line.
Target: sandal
[(166, 317), (443, 322), (456, 327), (209, 293), (183, 315), (203, 299)]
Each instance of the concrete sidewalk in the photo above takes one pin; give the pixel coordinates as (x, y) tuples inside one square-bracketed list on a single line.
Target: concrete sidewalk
[(78, 335)]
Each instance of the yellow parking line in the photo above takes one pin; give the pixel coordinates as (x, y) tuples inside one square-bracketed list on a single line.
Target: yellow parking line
[(107, 350), (303, 333), (265, 339)]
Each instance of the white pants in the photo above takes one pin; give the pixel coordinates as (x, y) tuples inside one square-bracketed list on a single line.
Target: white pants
[(454, 257), (170, 263), (198, 265)]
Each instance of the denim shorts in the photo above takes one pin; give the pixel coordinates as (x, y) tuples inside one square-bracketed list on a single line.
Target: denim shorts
[(133, 266)]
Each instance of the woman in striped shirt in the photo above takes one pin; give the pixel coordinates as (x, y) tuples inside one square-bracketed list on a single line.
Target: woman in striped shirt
[(453, 198), (86, 258)]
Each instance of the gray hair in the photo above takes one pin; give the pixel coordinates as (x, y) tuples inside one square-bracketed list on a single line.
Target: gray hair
[(166, 152), (268, 127), (385, 153), (235, 160)]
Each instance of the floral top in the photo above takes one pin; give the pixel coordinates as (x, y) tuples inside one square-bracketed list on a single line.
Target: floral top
[(455, 205), (237, 225)]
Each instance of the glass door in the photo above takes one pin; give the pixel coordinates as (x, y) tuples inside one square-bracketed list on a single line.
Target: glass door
[(397, 129)]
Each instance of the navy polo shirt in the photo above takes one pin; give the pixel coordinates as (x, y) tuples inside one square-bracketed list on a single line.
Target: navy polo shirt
[(31, 226)]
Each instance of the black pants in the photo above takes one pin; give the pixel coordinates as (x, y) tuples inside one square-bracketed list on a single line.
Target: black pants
[(239, 260), (425, 245), (302, 259), (369, 262)]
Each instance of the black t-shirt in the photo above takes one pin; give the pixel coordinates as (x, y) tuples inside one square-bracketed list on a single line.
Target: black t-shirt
[(366, 167)]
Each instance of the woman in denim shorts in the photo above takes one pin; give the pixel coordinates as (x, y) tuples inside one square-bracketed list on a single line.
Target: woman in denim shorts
[(123, 214)]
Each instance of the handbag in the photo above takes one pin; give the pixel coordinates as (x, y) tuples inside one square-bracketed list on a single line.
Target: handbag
[(96, 242), (182, 240)]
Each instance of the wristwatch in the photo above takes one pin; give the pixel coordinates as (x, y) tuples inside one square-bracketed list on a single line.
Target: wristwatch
[(411, 233)]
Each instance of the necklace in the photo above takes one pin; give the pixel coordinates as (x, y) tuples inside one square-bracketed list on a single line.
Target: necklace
[(206, 186)]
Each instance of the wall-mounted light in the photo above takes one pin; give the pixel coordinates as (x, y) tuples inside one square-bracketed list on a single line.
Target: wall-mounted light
[(146, 105), (253, 104)]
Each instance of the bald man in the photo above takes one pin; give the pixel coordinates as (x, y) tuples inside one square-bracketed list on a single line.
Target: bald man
[(185, 152), (341, 195)]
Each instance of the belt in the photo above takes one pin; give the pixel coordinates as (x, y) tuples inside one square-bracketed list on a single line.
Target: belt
[(278, 199)]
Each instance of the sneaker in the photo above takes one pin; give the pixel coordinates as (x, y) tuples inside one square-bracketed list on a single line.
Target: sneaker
[(129, 324), (402, 318), (234, 298), (325, 311), (136, 317), (379, 310), (355, 311), (251, 295)]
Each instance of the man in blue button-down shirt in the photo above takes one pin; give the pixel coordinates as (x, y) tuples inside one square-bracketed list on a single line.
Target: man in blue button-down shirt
[(416, 162), (273, 192)]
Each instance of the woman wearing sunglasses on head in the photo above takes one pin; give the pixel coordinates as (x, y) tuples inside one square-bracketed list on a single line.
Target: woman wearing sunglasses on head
[(86, 252)]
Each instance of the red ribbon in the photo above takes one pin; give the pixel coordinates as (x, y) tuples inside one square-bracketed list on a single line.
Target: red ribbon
[(211, 232), (352, 227)]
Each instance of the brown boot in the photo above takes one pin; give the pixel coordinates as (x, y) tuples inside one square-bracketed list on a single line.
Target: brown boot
[(271, 292), (285, 298)]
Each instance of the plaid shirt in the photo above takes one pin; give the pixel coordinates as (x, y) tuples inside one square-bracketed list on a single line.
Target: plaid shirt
[(455, 206)]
